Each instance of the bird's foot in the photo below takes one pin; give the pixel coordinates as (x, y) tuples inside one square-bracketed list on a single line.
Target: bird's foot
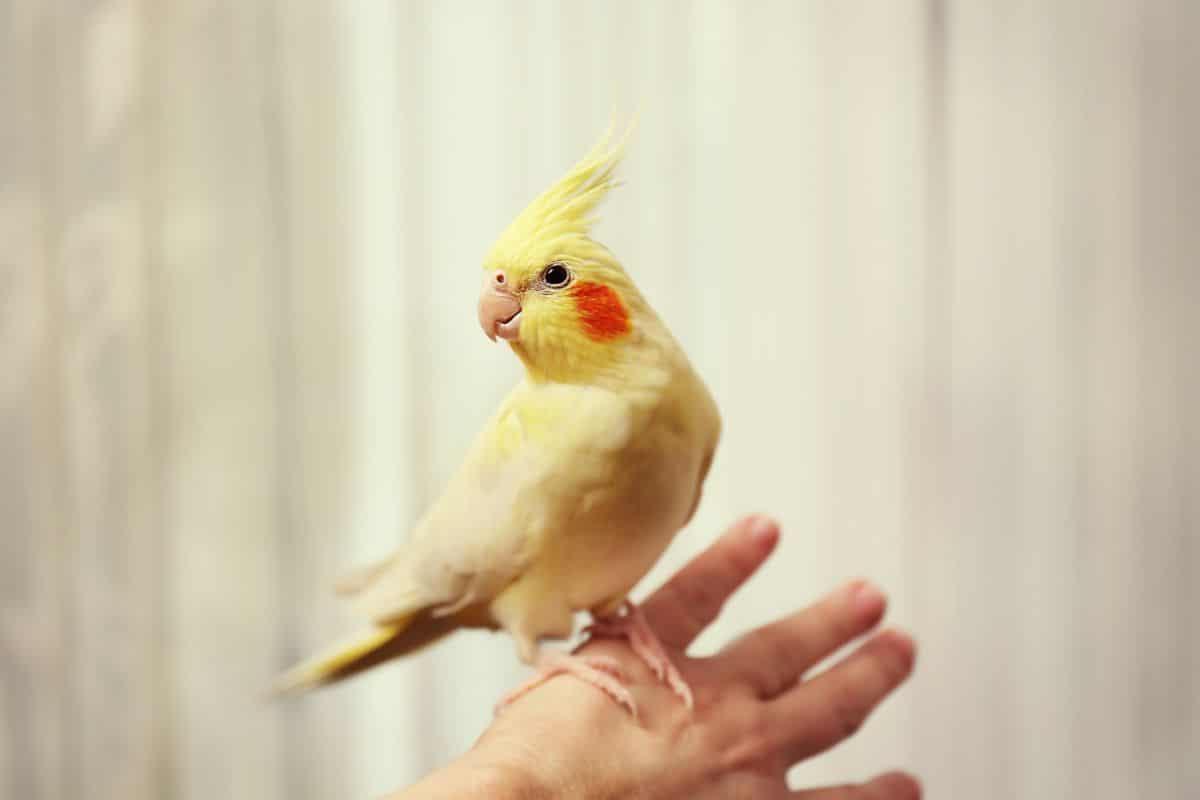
[(633, 626), (600, 671)]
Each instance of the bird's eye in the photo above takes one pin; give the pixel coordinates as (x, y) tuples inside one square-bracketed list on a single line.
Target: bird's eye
[(556, 276)]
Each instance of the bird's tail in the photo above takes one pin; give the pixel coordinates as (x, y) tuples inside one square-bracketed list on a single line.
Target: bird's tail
[(382, 643)]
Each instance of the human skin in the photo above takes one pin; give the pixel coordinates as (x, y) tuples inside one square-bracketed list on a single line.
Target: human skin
[(757, 713)]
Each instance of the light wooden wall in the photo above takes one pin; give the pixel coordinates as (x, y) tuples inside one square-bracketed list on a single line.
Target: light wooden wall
[(939, 261)]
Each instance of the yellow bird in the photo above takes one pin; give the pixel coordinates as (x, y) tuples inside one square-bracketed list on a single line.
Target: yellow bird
[(579, 482)]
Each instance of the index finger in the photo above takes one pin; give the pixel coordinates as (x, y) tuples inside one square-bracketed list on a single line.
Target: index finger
[(688, 603)]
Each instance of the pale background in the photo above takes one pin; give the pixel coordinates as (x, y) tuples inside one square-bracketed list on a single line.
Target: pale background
[(939, 262)]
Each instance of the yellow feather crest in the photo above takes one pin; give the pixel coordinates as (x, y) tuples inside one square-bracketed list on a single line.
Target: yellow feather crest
[(562, 215)]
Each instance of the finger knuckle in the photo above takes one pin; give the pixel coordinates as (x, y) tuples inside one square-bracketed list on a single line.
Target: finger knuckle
[(772, 663), (890, 665), (757, 732), (834, 619), (892, 787), (707, 597), (846, 713), (701, 602), (754, 741), (739, 565), (715, 695), (784, 668)]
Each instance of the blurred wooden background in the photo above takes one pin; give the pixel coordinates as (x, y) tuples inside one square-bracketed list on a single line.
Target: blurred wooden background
[(940, 262)]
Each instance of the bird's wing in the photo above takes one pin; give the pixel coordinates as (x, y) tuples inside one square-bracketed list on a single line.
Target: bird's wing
[(526, 474)]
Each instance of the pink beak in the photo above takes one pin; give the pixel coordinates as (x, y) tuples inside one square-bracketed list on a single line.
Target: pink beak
[(499, 308)]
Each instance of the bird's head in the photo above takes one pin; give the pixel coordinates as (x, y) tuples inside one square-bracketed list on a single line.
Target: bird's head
[(560, 299)]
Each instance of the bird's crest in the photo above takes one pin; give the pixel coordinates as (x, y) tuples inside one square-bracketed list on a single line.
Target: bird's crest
[(562, 215)]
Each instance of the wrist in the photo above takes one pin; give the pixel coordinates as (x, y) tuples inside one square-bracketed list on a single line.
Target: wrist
[(470, 777), (511, 782), (513, 774), (571, 744)]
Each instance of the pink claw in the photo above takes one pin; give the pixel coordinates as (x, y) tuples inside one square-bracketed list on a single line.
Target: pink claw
[(633, 626), (600, 671)]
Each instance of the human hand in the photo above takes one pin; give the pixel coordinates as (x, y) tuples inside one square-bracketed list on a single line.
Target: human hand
[(754, 718)]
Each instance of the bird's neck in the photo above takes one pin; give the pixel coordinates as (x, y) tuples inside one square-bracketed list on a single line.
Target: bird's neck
[(644, 360)]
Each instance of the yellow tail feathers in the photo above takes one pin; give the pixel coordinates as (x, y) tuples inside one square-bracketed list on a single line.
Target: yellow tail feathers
[(338, 662), (382, 643)]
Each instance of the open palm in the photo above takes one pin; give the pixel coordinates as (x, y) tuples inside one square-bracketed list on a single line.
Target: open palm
[(756, 712)]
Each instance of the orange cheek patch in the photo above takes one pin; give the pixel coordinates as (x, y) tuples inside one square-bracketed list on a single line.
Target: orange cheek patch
[(600, 310)]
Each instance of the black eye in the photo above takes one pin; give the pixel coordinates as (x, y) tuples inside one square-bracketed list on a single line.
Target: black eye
[(556, 276)]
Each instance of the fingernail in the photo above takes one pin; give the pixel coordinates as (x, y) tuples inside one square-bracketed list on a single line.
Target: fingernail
[(899, 784), (868, 600), (763, 529), (904, 644)]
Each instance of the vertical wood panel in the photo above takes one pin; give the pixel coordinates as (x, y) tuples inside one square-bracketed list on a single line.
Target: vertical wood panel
[(1168, 263), (223, 522), (303, 109), (108, 395), (33, 736), (34, 590), (1186, 297), (385, 202), (1010, 397), (1106, 148)]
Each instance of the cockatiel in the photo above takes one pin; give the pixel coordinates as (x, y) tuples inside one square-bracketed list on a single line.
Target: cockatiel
[(577, 484)]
